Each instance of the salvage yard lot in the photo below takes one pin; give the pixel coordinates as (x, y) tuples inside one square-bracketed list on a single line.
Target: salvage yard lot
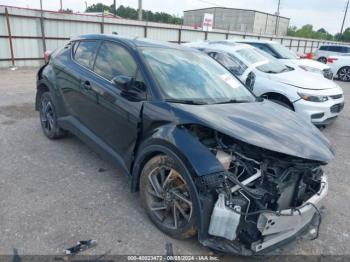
[(55, 193)]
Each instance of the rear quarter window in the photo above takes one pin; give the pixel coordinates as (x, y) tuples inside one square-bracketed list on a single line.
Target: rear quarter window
[(324, 48), (84, 53)]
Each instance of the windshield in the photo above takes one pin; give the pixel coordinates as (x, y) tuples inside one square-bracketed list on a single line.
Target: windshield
[(253, 56), (193, 76), (284, 52)]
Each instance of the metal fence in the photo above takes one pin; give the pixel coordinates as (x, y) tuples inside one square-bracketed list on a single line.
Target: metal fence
[(26, 33)]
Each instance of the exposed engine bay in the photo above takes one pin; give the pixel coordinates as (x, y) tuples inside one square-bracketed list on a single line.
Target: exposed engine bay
[(263, 197)]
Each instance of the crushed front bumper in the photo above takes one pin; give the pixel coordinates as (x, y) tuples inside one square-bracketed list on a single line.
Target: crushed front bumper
[(277, 230)]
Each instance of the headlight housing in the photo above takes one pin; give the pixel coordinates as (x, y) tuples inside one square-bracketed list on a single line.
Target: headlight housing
[(311, 69), (313, 98)]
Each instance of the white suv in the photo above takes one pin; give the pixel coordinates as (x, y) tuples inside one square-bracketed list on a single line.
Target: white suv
[(325, 51)]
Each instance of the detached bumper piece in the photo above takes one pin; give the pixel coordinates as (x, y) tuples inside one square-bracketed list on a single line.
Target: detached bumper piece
[(276, 228)]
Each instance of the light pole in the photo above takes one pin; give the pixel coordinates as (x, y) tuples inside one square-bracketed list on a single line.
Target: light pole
[(140, 10), (278, 17)]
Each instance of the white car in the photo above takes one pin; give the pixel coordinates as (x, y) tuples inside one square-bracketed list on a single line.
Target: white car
[(288, 57), (340, 66), (322, 53), (310, 95)]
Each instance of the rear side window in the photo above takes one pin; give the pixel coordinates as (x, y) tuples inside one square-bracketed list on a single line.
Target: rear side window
[(345, 49), (113, 60), (335, 48), (265, 48), (324, 48), (85, 53), (233, 64)]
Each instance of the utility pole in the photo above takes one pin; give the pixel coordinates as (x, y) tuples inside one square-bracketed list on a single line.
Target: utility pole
[(140, 10), (114, 8), (61, 8), (342, 25), (278, 16), (42, 27)]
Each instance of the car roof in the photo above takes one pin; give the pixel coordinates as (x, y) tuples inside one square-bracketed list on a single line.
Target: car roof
[(257, 41), (336, 45), (227, 46), (131, 41)]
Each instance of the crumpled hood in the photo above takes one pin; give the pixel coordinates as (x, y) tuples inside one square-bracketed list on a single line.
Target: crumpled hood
[(306, 62), (263, 124), (303, 79)]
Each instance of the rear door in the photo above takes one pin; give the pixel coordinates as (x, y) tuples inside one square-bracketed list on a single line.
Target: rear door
[(119, 115), (77, 92)]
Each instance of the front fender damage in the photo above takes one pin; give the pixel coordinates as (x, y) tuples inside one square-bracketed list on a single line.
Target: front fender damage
[(261, 200)]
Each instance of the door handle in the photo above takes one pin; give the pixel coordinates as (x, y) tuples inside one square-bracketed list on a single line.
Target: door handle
[(85, 85)]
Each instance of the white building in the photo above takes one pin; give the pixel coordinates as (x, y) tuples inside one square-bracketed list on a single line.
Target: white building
[(241, 20)]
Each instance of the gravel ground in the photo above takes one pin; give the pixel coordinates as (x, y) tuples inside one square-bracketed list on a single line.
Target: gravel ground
[(54, 193)]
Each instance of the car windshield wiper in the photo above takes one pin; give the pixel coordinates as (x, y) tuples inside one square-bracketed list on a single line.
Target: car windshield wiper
[(233, 101), (186, 101)]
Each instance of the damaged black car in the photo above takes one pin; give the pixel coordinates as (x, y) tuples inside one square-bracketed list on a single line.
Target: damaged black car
[(209, 159)]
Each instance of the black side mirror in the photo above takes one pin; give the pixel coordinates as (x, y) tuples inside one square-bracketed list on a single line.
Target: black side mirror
[(123, 81), (131, 89)]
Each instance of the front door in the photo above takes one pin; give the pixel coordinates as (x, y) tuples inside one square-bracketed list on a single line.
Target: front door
[(119, 117)]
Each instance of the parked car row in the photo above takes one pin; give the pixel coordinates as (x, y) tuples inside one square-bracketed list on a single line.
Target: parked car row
[(337, 57), (209, 157), (309, 94)]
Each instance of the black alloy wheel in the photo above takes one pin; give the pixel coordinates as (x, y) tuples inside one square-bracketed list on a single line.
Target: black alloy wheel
[(48, 117), (322, 60), (167, 198), (344, 74)]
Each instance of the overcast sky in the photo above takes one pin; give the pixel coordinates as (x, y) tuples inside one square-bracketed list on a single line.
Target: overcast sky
[(320, 13)]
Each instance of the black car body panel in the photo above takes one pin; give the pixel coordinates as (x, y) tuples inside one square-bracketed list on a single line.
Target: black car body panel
[(130, 131)]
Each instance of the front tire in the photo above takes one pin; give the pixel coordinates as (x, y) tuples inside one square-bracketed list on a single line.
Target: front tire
[(344, 74), (48, 117), (167, 198)]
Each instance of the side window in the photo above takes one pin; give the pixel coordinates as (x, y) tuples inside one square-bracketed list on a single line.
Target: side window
[(113, 60), (324, 48), (265, 49), (345, 49), (139, 82), (84, 53), (334, 48), (233, 64)]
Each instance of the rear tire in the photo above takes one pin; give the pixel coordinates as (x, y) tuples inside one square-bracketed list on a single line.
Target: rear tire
[(167, 198), (344, 74), (48, 117), (322, 60)]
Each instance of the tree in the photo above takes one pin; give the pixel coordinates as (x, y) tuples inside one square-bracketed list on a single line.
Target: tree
[(307, 31), (67, 10), (131, 13), (99, 7)]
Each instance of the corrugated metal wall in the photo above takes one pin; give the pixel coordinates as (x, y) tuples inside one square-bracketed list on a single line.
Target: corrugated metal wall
[(28, 40)]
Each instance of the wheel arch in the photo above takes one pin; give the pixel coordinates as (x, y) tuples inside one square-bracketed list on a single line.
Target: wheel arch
[(279, 96), (41, 88), (177, 142)]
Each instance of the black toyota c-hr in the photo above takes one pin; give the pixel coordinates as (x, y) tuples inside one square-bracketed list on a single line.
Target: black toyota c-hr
[(208, 158)]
